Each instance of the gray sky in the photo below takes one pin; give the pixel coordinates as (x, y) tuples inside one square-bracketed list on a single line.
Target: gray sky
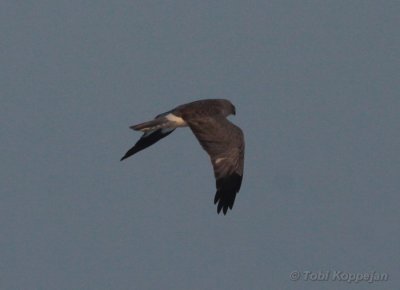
[(316, 88)]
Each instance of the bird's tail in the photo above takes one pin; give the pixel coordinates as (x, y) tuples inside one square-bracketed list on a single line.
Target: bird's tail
[(152, 125)]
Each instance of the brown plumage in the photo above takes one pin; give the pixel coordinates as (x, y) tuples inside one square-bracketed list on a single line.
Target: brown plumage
[(222, 140)]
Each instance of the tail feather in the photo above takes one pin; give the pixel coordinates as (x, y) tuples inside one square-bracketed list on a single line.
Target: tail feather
[(151, 125)]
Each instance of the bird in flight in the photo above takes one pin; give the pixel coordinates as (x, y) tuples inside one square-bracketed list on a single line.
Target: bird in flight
[(221, 139)]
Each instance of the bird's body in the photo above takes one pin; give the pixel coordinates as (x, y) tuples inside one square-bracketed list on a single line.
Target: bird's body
[(222, 140)]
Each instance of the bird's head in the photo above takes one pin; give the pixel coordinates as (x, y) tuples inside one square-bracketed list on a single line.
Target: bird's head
[(228, 108)]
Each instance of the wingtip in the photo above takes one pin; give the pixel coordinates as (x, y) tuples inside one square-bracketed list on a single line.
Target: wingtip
[(222, 208), (128, 154), (227, 188)]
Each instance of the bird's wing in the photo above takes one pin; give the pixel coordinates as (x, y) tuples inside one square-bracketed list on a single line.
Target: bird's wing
[(154, 130), (224, 143), (148, 139)]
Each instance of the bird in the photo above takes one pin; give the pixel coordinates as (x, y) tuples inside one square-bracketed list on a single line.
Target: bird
[(220, 138)]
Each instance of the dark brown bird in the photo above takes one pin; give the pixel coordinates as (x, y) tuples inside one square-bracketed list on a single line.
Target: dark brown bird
[(222, 140)]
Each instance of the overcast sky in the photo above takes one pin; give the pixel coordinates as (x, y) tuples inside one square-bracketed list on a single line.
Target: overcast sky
[(316, 88)]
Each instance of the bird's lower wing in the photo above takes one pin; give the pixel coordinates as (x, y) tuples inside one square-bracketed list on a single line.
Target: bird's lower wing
[(224, 143)]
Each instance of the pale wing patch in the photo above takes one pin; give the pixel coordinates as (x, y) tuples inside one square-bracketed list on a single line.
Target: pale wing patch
[(178, 121), (218, 160)]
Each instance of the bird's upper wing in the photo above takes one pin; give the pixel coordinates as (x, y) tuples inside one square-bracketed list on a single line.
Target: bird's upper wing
[(148, 139), (224, 143)]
